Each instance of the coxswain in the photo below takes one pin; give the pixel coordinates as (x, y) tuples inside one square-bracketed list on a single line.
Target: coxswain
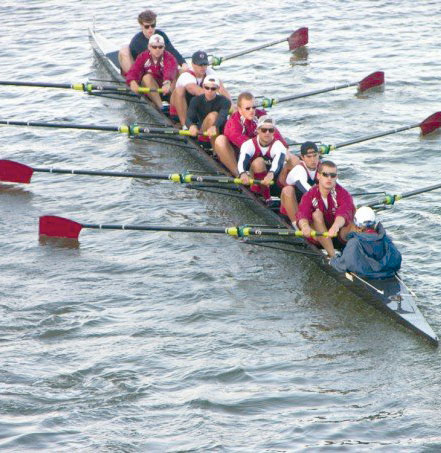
[(155, 68), (208, 112), (327, 206), (262, 157), (139, 43), (299, 180), (189, 84), (369, 252), (240, 127)]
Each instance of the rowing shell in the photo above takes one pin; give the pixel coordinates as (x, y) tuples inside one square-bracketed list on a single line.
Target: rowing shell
[(390, 295)]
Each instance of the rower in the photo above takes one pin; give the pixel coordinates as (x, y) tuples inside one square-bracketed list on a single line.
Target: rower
[(208, 112), (327, 206), (155, 68), (189, 84), (369, 252), (299, 180), (259, 153), (139, 43), (240, 127)]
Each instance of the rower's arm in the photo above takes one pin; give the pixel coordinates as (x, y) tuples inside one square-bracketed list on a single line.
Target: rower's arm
[(194, 89)]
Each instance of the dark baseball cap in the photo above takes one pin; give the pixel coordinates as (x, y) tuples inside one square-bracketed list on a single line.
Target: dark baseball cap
[(307, 146), (200, 58)]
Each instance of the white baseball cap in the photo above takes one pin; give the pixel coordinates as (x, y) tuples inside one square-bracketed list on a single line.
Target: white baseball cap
[(211, 80), (265, 119), (156, 40), (365, 217)]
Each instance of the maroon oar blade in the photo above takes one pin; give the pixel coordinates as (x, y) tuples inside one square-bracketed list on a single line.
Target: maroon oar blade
[(298, 38), (431, 123), (11, 171), (59, 227), (372, 80)]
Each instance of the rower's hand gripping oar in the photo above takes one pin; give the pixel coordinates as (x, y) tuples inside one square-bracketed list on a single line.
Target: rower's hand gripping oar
[(60, 227), (372, 80), (16, 172), (429, 125), (129, 129), (87, 87), (296, 39), (391, 199)]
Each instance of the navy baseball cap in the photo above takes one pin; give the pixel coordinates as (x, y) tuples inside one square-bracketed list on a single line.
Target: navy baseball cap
[(200, 58)]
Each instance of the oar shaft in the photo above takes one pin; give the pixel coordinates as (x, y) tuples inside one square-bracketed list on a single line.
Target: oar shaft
[(391, 199), (371, 137), (262, 46), (175, 177), (103, 173), (418, 191), (36, 84), (60, 125), (95, 226), (312, 93)]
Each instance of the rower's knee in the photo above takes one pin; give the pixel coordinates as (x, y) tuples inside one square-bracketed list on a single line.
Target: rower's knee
[(258, 165), (317, 216)]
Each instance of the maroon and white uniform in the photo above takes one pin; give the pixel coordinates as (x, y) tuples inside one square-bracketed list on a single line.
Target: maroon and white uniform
[(189, 76), (238, 129), (338, 203), (273, 154), (302, 179), (166, 68)]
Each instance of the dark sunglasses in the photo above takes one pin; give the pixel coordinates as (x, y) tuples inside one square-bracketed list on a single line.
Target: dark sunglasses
[(147, 26), (329, 175), (250, 108), (210, 88), (157, 47), (267, 129)]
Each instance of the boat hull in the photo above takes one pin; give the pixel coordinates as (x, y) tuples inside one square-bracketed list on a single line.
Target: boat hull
[(390, 296)]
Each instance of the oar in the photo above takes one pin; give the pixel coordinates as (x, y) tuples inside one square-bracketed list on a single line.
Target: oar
[(372, 80), (87, 87), (130, 129), (430, 124), (16, 172), (61, 227), (296, 39), (391, 199)]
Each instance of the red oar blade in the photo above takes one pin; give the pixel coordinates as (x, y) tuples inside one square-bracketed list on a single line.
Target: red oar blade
[(11, 171), (372, 80), (298, 38), (59, 227), (431, 123)]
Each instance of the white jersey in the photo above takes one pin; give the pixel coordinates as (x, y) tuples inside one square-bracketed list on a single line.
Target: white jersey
[(251, 149), (301, 176), (187, 77)]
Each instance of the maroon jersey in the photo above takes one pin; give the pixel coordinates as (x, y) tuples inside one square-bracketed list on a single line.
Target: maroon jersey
[(238, 130), (339, 202), (166, 68)]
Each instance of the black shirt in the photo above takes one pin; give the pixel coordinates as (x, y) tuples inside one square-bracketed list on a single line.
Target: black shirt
[(139, 43), (199, 108)]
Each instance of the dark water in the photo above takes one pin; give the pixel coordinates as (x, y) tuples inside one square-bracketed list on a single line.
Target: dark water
[(136, 341)]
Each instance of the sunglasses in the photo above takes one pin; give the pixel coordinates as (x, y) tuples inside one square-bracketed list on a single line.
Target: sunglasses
[(147, 26), (329, 175), (249, 108), (157, 47), (267, 129), (210, 88)]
